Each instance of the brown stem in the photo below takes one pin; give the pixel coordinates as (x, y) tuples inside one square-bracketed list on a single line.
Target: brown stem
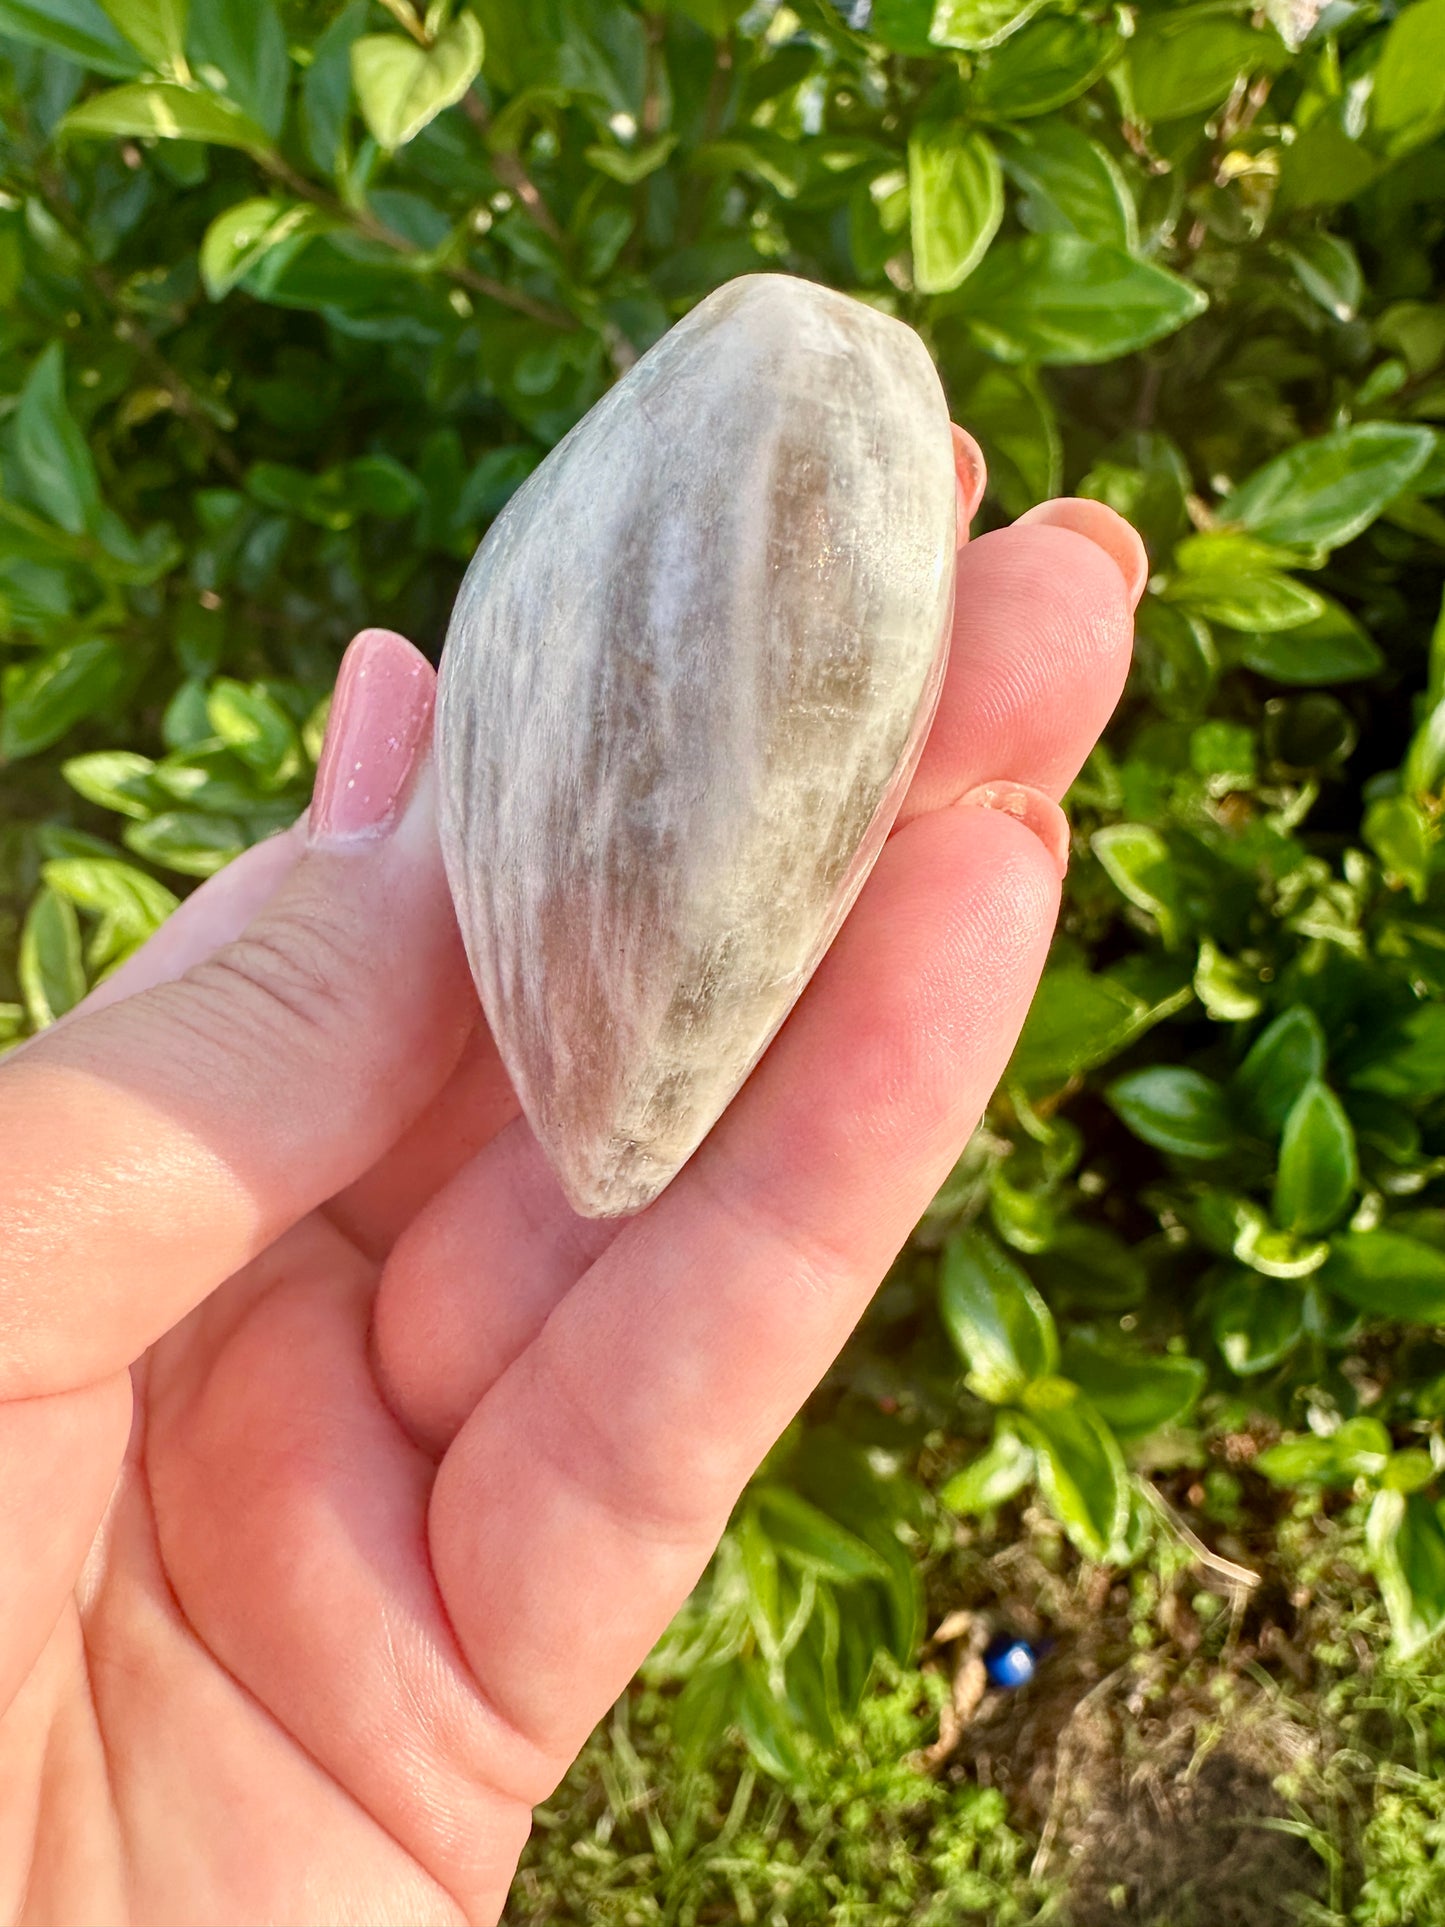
[(509, 169), (717, 89), (651, 122), (366, 223), (402, 14), (183, 398)]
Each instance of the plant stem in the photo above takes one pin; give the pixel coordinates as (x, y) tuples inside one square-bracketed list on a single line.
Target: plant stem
[(402, 14), (366, 224), (509, 169)]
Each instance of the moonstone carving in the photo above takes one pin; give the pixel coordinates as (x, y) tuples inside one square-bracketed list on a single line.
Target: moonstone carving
[(687, 679)]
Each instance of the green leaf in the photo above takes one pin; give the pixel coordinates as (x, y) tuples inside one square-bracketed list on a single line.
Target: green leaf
[(52, 976), (1255, 1324), (1401, 835), (1329, 647), (1067, 183), (254, 725), (1137, 862), (1325, 166), (707, 1706), (766, 1728), (1407, 101), (1423, 771), (162, 109), (1408, 1471), (106, 887), (115, 779), (192, 843), (1405, 1542), (56, 464), (806, 1535), (1090, 1266), (1188, 59), (1013, 419), (1228, 989), (49, 696), (1408, 1059), (1053, 60), (955, 194), (1286, 1057), (75, 28), (1360, 1448), (1057, 298), (1002, 1329), (1322, 493), (1135, 1392), (1176, 651), (1329, 271), (243, 41), (1080, 1467), (381, 485), (326, 88), (1176, 1110), (1389, 1275), (1262, 600), (975, 24), (401, 86), (1000, 1471), (155, 28), (1079, 1020), (1317, 1172), (240, 235)]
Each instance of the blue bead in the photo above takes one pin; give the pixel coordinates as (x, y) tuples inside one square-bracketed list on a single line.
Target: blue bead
[(1009, 1661)]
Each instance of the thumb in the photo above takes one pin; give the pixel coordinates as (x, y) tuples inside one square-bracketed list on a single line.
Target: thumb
[(153, 1147)]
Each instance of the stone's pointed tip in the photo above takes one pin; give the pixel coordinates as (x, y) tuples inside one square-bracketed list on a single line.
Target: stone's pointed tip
[(686, 679)]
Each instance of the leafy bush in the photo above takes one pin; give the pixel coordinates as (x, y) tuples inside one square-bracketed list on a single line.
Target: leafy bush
[(295, 298)]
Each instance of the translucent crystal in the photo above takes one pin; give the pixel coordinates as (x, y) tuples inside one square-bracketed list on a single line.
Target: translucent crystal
[(687, 678)]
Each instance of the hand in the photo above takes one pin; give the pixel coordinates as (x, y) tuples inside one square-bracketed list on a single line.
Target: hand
[(345, 1475)]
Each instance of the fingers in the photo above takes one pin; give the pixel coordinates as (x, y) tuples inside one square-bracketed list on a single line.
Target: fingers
[(215, 914), (1042, 639), (1041, 644), (153, 1147), (471, 1282), (626, 1430)]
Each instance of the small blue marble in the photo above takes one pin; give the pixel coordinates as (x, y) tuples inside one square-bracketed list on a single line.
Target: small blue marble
[(1010, 1661)]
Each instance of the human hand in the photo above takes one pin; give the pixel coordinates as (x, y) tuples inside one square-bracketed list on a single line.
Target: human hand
[(347, 1475)]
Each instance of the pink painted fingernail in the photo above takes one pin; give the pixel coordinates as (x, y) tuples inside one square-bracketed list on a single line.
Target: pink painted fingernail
[(972, 473), (1038, 812), (379, 721), (1103, 526)]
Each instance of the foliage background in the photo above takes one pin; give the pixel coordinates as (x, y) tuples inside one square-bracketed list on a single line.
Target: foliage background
[(295, 295)]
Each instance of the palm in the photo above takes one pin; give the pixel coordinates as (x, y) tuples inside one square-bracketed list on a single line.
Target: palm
[(409, 1495), (264, 1608)]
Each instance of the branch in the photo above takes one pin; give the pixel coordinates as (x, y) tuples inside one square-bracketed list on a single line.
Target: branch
[(508, 168), (365, 223), (402, 14)]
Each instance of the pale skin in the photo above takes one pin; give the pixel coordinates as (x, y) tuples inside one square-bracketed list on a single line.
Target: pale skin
[(346, 1477)]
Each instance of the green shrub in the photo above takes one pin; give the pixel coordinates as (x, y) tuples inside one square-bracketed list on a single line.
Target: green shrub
[(295, 297)]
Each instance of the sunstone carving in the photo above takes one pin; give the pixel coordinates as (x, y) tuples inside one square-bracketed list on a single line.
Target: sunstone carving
[(686, 682)]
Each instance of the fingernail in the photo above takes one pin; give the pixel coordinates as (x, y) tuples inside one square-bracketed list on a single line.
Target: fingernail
[(380, 716), (972, 472), (1037, 812), (1102, 525)]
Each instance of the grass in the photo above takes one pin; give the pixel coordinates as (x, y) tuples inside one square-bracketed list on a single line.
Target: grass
[(1191, 1753)]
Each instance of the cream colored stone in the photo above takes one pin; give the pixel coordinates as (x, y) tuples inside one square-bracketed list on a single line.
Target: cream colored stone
[(686, 680)]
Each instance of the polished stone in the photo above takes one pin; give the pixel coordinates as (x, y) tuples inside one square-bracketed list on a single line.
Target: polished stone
[(687, 678)]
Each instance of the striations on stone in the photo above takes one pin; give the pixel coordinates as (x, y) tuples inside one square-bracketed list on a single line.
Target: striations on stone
[(687, 679)]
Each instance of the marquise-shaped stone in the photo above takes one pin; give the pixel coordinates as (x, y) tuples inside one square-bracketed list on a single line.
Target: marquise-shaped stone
[(686, 681)]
